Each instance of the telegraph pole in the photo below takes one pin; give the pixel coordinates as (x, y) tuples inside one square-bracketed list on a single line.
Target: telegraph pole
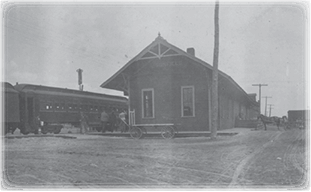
[(266, 104), (270, 106), (215, 75), (259, 85)]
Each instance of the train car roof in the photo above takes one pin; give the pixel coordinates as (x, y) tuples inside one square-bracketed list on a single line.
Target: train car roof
[(297, 111), (7, 87), (46, 90)]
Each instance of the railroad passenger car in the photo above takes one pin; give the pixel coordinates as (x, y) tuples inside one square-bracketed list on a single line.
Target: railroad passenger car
[(11, 116), (294, 115), (298, 118), (49, 108), (57, 106)]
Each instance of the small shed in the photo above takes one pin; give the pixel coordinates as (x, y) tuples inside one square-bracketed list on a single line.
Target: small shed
[(167, 85)]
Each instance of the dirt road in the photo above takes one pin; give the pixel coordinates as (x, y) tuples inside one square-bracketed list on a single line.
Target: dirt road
[(251, 159)]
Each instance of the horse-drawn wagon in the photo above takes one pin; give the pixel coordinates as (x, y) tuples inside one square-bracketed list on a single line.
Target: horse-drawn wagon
[(168, 130)]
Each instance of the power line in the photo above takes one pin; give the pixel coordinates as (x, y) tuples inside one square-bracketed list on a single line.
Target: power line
[(270, 107), (259, 85), (266, 104)]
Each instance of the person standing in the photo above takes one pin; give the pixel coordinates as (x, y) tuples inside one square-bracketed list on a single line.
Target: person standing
[(104, 120), (84, 124), (112, 121), (123, 117)]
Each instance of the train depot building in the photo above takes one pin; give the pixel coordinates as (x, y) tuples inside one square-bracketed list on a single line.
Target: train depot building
[(167, 85)]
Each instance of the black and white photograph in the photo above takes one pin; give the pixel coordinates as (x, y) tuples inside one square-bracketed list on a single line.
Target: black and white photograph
[(177, 95)]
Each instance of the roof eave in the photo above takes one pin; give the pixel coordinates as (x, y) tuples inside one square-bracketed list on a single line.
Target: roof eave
[(104, 84), (182, 52)]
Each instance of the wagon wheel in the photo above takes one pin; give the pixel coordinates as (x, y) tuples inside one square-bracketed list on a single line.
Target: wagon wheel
[(136, 132), (25, 132), (175, 129), (144, 130), (167, 132), (57, 131), (98, 129), (44, 130)]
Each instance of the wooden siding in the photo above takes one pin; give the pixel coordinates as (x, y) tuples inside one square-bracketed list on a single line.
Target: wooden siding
[(166, 76)]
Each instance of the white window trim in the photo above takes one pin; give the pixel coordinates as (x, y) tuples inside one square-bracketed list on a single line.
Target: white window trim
[(182, 99), (142, 103)]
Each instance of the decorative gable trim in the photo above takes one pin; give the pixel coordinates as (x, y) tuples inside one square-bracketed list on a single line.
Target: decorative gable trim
[(159, 50)]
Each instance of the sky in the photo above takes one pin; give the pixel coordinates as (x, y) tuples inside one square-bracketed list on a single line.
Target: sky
[(260, 43)]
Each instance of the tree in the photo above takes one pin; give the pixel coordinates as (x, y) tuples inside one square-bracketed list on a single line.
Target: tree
[(215, 75)]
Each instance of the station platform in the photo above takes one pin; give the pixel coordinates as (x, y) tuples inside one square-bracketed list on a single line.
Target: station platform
[(180, 134), (73, 134)]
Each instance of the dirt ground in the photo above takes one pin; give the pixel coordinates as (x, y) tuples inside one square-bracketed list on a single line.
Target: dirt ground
[(249, 160)]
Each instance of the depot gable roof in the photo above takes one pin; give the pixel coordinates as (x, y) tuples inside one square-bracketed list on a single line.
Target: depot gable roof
[(160, 48)]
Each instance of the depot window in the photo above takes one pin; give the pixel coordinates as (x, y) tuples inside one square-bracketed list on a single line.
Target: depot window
[(148, 103), (187, 101)]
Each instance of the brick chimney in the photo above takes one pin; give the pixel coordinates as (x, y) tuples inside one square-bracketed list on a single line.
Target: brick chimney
[(191, 51)]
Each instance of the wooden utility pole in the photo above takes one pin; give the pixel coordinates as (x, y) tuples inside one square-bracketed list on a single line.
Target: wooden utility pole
[(266, 104), (260, 94), (215, 75), (270, 107)]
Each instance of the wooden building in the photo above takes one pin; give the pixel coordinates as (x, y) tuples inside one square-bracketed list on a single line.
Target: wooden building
[(168, 85)]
